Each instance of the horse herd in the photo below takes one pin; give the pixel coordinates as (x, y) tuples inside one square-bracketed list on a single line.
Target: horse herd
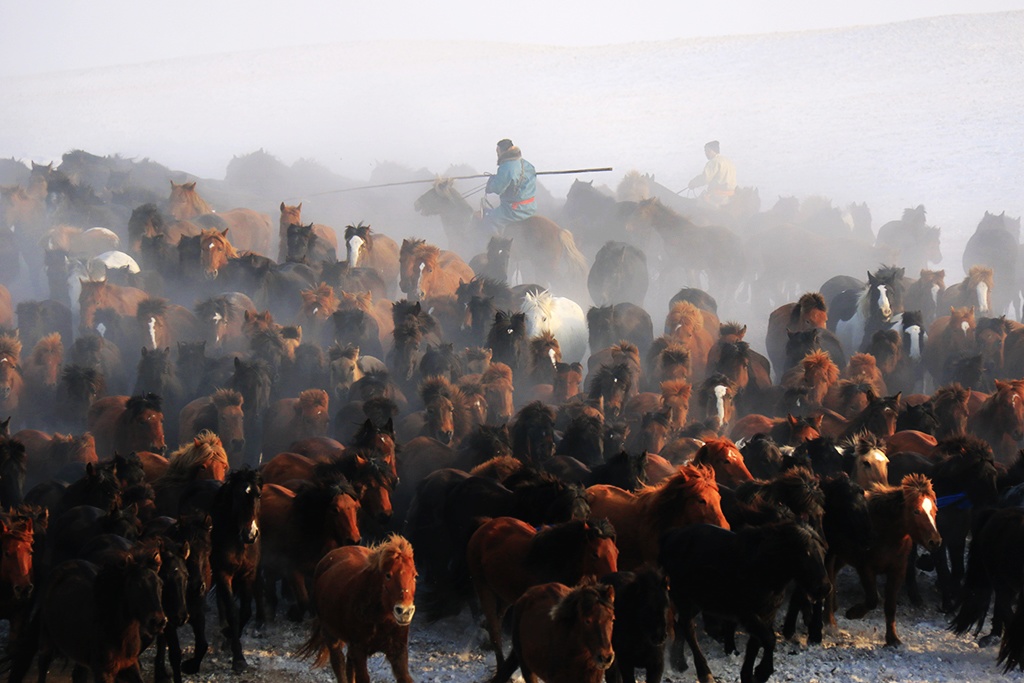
[(225, 407)]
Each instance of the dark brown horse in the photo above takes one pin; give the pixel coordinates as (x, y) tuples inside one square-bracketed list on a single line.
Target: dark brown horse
[(292, 215), (95, 295), (562, 634), (806, 314), (127, 423), (1000, 420), (221, 413), (363, 599), (507, 556), (291, 419)]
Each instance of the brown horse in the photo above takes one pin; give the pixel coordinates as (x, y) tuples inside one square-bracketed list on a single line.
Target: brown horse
[(216, 251), (127, 423), (379, 253), (220, 413), (1000, 420), (95, 295), (42, 373), (689, 496), (291, 419), (900, 516), (725, 459), (974, 291), (806, 314), (221, 319), (47, 453), (950, 406), (817, 373), (925, 293), (17, 575), (506, 556), (161, 324), (251, 230), (300, 527), (686, 325), (317, 306), (948, 337), (198, 459), (364, 598), (562, 634), (546, 253), (293, 215), (12, 385), (427, 271)]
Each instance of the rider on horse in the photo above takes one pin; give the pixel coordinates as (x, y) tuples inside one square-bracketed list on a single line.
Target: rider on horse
[(516, 184), (719, 176)]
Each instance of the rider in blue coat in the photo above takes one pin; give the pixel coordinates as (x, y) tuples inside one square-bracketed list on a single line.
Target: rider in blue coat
[(515, 183)]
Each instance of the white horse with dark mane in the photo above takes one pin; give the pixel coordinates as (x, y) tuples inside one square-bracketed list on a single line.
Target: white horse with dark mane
[(561, 317)]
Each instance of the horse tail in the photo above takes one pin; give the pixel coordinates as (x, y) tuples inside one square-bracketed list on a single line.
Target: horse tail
[(977, 593), (511, 663), (575, 261), (1011, 649), (316, 646)]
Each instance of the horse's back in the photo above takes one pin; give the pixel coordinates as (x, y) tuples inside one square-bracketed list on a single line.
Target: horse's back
[(287, 466)]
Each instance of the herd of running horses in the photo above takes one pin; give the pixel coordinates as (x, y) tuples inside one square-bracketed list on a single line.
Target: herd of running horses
[(330, 419)]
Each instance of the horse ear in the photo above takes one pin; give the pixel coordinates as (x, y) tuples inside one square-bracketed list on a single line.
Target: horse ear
[(299, 207), (238, 362), (899, 394), (144, 352), (389, 426), (816, 421), (282, 207), (185, 550), (224, 232), (790, 419), (90, 471)]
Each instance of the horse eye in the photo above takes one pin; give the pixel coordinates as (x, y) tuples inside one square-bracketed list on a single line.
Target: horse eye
[(388, 576)]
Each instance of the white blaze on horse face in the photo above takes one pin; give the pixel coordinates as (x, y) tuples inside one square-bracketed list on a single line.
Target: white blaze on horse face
[(878, 456), (928, 508), (720, 392), (152, 332), (982, 297), (355, 247), (883, 302), (551, 355), (935, 294), (216, 327), (965, 326), (102, 329), (915, 341)]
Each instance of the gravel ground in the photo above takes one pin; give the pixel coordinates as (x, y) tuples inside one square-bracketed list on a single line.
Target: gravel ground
[(450, 651)]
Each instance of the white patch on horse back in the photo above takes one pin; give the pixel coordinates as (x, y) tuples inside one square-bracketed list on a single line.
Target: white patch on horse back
[(355, 244), (720, 392), (883, 301), (965, 326), (915, 341), (152, 331), (935, 294), (982, 297)]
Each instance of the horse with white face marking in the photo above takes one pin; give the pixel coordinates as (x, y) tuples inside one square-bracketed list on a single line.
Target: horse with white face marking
[(561, 317), (974, 290), (866, 461), (877, 305)]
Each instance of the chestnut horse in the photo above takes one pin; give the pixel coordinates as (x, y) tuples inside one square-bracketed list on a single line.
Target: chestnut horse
[(806, 314), (127, 423), (379, 253), (221, 413), (292, 215), (95, 295), (506, 556), (1000, 420), (725, 459), (291, 419), (200, 458), (42, 374), (12, 385), (364, 598), (689, 496), (562, 634), (901, 516), (543, 252), (427, 271), (974, 291), (251, 230)]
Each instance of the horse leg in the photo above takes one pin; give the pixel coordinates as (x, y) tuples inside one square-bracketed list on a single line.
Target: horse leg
[(655, 667), (797, 603), (957, 551), (832, 568), (160, 674), (677, 655), (398, 657), (699, 661), (174, 652), (358, 671), (489, 605), (338, 663), (943, 577), (892, 589), (763, 635), (197, 615), (298, 584), (1002, 613), (869, 582), (913, 590), (232, 629)]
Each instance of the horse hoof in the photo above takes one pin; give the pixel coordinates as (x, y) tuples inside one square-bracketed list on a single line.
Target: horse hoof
[(296, 613), (856, 612), (893, 641), (988, 641), (239, 665)]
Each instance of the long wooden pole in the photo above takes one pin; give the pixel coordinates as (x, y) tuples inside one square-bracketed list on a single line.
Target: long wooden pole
[(461, 177)]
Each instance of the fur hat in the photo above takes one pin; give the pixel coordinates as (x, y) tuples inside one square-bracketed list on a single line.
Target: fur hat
[(713, 146)]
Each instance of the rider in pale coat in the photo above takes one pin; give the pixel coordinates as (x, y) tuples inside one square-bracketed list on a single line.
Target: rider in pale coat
[(515, 183), (719, 176)]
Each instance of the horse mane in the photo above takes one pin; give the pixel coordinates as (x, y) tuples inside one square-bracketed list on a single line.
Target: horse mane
[(311, 501), (553, 543), (10, 346), (676, 387), (954, 393), (811, 301), (48, 345), (310, 399), (429, 253), (861, 365), (224, 398), (542, 300), (153, 307), (731, 328), (618, 373), (821, 362), (797, 485), (633, 187), (435, 386), (661, 500), (393, 548), (683, 314), (336, 352), (978, 274), (581, 600), (544, 339), (137, 405), (915, 216), (183, 463), (862, 442), (674, 354), (361, 230), (496, 372), (322, 295)]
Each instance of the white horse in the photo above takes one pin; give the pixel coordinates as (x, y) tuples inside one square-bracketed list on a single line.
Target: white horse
[(561, 317)]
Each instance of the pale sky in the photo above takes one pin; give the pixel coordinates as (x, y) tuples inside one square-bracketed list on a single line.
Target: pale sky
[(56, 35)]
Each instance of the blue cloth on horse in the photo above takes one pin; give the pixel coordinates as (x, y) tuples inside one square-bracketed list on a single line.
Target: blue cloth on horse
[(516, 184)]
